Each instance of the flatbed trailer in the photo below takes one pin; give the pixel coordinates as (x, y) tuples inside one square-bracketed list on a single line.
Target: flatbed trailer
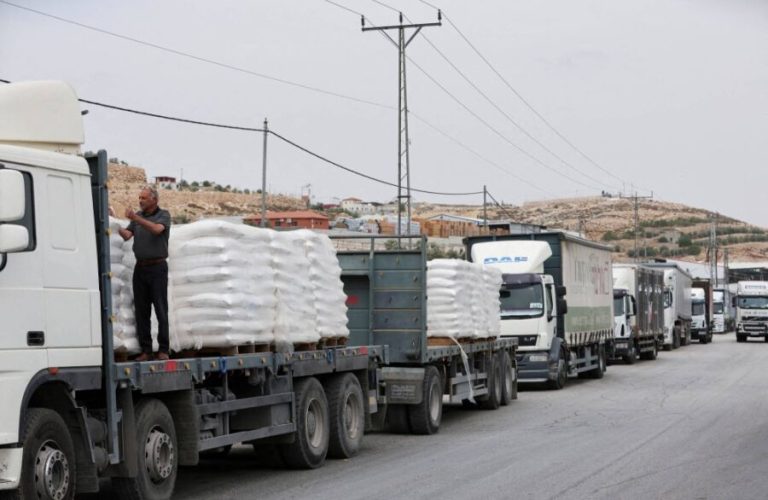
[(386, 290)]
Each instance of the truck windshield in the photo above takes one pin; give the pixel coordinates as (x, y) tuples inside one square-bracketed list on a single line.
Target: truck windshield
[(522, 301), (717, 308), (753, 302), (697, 308), (618, 306)]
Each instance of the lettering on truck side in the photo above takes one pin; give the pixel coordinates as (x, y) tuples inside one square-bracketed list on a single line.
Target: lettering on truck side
[(504, 259)]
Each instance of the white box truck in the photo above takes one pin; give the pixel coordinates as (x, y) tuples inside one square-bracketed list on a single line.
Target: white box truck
[(701, 311), (556, 338), (677, 304), (638, 308), (751, 310), (722, 311)]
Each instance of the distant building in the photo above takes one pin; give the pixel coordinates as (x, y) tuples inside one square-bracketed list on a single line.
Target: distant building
[(357, 206), (303, 219), (166, 182)]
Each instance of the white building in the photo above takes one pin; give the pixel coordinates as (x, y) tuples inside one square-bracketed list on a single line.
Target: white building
[(357, 206)]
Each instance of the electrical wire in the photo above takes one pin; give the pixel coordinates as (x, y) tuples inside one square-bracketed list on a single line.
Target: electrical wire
[(499, 205), (496, 106), (520, 96), (201, 59), (271, 132)]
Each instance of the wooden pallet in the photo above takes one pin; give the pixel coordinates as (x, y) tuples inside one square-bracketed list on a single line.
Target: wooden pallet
[(305, 346), (440, 341), (332, 342)]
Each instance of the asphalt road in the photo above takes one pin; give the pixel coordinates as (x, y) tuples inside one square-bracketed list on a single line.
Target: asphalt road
[(692, 425)]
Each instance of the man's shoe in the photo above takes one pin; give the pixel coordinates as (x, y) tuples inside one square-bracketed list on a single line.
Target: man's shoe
[(142, 357), (162, 356)]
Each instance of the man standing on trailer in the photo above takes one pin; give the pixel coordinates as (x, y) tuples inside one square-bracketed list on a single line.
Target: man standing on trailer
[(151, 227)]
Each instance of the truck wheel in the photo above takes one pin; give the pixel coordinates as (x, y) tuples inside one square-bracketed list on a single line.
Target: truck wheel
[(631, 357), (509, 377), (562, 373), (309, 449), (650, 355), (156, 453), (601, 365), (426, 416), (347, 415), (48, 461), (397, 419), (495, 383), (741, 338)]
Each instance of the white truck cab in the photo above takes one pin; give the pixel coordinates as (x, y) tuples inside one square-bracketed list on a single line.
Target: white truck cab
[(49, 285), (699, 320), (751, 310)]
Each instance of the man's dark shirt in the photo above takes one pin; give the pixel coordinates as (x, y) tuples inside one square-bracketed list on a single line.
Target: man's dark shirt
[(145, 244)]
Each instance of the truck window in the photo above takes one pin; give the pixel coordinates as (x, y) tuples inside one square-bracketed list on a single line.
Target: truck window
[(667, 298), (746, 302), (550, 301), (618, 306), (522, 300), (697, 308), (28, 220), (717, 308)]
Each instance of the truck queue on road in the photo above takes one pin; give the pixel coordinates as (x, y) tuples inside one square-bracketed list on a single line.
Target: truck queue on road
[(74, 413)]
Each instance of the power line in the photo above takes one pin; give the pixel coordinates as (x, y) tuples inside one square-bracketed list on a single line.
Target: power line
[(201, 59), (499, 205), (519, 96), (272, 132), (497, 107)]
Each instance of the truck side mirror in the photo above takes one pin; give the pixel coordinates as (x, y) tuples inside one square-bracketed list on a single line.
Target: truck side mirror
[(13, 238), (560, 291), (12, 202), (562, 306)]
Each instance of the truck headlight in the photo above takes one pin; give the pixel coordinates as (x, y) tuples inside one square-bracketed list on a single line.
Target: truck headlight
[(538, 358)]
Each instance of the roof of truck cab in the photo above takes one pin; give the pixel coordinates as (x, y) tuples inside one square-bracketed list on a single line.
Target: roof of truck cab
[(44, 159)]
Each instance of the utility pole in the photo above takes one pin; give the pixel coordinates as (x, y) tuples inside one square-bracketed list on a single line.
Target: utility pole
[(637, 221), (485, 208), (712, 250), (403, 171), (264, 177)]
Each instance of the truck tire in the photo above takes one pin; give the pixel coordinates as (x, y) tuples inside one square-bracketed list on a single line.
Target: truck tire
[(631, 357), (346, 408), (157, 454), (425, 417), (309, 449), (651, 355), (741, 338), (397, 419), (509, 377), (48, 467), (495, 383), (599, 371), (562, 373), (676, 339)]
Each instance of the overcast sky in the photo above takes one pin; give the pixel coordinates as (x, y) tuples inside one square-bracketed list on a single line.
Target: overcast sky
[(662, 95)]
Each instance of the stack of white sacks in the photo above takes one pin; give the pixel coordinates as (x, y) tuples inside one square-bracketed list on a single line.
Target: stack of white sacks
[(232, 285), (462, 299)]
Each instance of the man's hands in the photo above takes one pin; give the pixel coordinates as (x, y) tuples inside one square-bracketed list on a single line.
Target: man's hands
[(130, 214)]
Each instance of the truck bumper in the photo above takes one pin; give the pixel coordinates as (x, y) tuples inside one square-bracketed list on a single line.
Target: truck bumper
[(10, 468), (696, 333), (621, 347), (537, 370)]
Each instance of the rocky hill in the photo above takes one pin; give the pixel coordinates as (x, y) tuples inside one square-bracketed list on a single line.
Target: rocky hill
[(125, 182), (666, 229)]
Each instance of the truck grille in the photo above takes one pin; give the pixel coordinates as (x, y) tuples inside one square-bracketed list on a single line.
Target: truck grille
[(526, 340), (755, 327)]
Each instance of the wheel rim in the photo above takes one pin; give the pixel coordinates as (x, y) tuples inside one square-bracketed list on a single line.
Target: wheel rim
[(352, 412), (315, 424), (159, 455), (435, 398), (51, 472)]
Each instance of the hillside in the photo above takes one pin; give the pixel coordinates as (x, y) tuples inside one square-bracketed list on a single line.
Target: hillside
[(186, 206), (667, 229)]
